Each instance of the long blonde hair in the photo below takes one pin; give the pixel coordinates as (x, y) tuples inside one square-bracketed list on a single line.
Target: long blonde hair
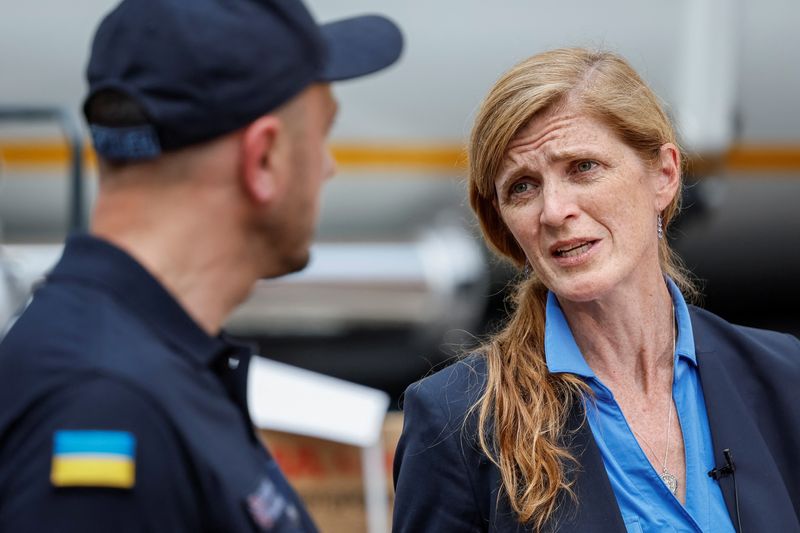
[(526, 406)]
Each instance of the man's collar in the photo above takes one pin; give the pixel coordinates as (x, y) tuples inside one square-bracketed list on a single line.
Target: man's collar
[(92, 261)]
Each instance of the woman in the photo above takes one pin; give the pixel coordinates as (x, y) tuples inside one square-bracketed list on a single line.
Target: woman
[(606, 401)]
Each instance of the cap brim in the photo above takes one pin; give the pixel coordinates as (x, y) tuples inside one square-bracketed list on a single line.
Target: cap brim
[(359, 46)]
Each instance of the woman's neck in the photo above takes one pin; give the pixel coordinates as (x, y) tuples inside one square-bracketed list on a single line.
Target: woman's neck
[(627, 337)]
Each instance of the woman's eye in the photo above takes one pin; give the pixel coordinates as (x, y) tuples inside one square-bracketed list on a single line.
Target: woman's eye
[(520, 187), (585, 166)]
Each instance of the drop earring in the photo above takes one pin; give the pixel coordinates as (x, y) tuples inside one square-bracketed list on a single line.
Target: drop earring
[(660, 229)]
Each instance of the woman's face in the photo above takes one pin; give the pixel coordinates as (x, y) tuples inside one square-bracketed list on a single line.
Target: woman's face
[(582, 204)]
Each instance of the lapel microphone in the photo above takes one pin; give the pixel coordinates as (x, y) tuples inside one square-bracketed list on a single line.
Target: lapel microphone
[(729, 469), (726, 470)]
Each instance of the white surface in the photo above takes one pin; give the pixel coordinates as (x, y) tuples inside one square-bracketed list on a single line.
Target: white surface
[(30, 262), (21, 266), (375, 500), (286, 398), (705, 97), (454, 52), (362, 263)]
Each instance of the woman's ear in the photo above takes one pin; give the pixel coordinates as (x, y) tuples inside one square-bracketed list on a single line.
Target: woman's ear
[(668, 176), (259, 154)]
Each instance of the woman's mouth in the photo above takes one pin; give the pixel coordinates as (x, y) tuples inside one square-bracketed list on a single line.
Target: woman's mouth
[(574, 252)]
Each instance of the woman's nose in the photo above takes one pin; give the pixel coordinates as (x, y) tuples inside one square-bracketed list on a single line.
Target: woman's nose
[(558, 205)]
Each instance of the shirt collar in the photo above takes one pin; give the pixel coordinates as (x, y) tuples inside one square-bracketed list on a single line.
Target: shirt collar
[(93, 261), (684, 344), (561, 352), (563, 355)]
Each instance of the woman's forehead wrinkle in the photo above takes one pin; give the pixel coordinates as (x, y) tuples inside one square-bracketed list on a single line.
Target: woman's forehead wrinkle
[(547, 139), (524, 146), (535, 134)]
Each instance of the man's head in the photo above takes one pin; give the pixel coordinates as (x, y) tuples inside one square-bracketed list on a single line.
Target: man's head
[(197, 70), (284, 163), (247, 81)]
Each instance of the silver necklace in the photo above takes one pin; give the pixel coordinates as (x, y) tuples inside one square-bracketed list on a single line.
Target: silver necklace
[(666, 476)]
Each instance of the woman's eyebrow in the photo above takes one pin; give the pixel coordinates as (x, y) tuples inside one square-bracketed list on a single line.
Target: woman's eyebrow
[(584, 151), (558, 156), (508, 174), (515, 168)]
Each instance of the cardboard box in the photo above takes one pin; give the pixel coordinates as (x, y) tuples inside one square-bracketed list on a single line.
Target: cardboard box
[(329, 476), (332, 439)]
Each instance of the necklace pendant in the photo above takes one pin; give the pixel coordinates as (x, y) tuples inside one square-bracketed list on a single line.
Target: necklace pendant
[(670, 481)]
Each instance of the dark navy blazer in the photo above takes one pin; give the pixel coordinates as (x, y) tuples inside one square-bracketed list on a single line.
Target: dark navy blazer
[(750, 380)]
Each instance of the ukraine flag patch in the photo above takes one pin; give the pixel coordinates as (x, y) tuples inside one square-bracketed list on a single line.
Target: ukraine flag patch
[(93, 458)]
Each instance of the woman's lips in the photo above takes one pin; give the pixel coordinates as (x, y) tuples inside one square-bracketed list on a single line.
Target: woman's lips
[(574, 253)]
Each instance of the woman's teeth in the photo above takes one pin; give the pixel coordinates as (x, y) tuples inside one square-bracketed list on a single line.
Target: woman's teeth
[(576, 250)]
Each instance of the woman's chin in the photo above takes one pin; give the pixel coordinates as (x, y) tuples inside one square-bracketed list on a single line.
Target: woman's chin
[(585, 288)]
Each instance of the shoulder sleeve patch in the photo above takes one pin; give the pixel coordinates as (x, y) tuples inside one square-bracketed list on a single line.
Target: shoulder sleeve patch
[(93, 458)]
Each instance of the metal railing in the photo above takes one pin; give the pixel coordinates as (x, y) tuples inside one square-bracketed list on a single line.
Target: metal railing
[(73, 135)]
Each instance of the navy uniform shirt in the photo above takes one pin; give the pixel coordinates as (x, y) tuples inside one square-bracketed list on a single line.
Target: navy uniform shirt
[(119, 413)]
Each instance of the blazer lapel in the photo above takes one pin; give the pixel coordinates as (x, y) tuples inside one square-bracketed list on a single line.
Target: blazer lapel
[(727, 384), (595, 508)]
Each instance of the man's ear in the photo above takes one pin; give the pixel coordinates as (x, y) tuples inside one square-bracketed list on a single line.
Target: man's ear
[(259, 158), (668, 175)]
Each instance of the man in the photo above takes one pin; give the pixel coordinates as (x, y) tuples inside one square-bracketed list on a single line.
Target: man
[(123, 405)]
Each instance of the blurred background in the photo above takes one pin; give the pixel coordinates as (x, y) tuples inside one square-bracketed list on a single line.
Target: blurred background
[(400, 281)]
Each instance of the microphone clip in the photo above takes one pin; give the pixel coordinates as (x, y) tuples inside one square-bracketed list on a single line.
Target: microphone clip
[(726, 470)]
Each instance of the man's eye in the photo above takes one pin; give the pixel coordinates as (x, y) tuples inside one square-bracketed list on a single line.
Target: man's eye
[(585, 166)]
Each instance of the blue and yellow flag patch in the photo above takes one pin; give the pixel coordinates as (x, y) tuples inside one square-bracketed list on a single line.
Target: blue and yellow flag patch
[(90, 458)]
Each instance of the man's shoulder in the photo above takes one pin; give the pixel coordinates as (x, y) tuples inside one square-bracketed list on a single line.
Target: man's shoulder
[(63, 340), (82, 324), (93, 453), (96, 403)]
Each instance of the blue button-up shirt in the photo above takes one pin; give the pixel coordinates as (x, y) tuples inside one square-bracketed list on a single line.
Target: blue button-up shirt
[(645, 502)]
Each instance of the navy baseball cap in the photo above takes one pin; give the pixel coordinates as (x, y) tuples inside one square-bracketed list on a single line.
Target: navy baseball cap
[(198, 69)]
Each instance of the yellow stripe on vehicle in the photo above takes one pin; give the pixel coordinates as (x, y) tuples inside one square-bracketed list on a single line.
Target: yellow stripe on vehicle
[(445, 159)]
